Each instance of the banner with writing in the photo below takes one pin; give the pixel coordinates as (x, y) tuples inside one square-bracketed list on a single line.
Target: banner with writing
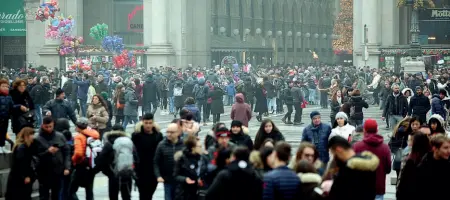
[(12, 18), (435, 14)]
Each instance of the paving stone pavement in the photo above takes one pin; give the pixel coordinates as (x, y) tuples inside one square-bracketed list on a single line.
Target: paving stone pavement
[(291, 133)]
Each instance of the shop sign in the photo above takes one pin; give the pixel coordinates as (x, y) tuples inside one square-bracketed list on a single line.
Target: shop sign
[(129, 17), (435, 14), (12, 18)]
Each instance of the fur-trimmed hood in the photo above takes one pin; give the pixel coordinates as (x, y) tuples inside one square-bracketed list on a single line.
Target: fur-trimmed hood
[(138, 127), (439, 118), (112, 135), (408, 89), (366, 161), (310, 178)]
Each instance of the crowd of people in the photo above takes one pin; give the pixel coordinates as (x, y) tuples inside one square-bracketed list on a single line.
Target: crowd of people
[(348, 151)]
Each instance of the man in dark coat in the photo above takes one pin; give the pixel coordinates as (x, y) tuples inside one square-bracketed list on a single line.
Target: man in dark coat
[(59, 107), (238, 181), (396, 107), (53, 153), (357, 170), (101, 85), (150, 95), (297, 97), (318, 133), (164, 160), (419, 105)]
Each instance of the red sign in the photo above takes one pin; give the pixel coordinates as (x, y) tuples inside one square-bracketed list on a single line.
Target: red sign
[(136, 25)]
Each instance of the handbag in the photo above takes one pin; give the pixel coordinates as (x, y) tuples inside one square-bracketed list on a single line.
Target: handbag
[(27, 119), (119, 105)]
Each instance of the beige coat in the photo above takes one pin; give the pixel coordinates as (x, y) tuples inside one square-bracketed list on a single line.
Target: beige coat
[(98, 116)]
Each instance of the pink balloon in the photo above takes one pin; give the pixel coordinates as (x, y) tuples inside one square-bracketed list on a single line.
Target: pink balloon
[(80, 40)]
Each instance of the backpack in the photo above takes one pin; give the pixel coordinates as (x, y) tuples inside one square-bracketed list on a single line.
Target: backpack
[(93, 148), (177, 92), (123, 157)]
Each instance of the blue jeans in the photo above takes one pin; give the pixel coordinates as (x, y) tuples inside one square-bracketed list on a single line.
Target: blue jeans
[(312, 95), (169, 191), (230, 100), (38, 111), (83, 107), (128, 119), (171, 106), (379, 197), (271, 104)]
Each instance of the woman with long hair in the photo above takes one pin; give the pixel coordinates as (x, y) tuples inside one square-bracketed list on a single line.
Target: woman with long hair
[(21, 175), (407, 180), (267, 129), (97, 114), (119, 102), (436, 124), (306, 151), (23, 115), (337, 101)]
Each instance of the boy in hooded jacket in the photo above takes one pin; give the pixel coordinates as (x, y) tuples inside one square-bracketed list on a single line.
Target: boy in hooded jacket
[(105, 162)]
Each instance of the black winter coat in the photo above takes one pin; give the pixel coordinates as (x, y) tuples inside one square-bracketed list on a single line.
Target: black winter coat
[(359, 104), (419, 105), (40, 94), (20, 169), (238, 182), (60, 109), (217, 101), (396, 105), (51, 164), (164, 159), (20, 99), (186, 166), (432, 171), (150, 92), (145, 145), (261, 100), (287, 96), (242, 139)]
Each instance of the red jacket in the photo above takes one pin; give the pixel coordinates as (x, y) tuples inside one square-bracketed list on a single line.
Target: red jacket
[(374, 143)]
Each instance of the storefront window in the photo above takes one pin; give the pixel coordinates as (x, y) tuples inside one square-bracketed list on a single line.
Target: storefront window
[(435, 23)]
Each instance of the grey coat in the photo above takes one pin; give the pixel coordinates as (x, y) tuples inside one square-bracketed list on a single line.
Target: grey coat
[(131, 103)]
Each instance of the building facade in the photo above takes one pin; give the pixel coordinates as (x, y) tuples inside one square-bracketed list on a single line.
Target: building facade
[(387, 36), (197, 32)]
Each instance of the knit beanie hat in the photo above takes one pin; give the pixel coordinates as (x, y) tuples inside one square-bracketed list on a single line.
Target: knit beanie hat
[(370, 126), (314, 113), (222, 132), (341, 115), (236, 123)]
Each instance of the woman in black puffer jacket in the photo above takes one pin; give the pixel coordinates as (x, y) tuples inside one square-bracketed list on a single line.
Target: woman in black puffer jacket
[(190, 169)]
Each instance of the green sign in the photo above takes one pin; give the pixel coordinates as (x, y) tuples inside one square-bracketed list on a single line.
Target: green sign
[(12, 18)]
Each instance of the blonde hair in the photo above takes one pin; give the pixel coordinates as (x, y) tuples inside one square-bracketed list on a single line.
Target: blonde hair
[(255, 159), (24, 133)]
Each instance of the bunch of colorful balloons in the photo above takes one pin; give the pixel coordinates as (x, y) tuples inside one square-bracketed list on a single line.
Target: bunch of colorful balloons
[(125, 59), (69, 45), (60, 27), (113, 44), (99, 32), (46, 10), (84, 64)]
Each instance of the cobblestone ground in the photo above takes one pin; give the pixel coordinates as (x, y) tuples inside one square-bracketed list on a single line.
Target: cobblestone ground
[(291, 133)]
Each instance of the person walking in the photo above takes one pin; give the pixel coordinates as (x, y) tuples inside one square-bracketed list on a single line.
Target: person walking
[(281, 183), (217, 107), (190, 169), (21, 175), (98, 114), (130, 111), (241, 111), (146, 139), (239, 177), (164, 160), (373, 142)]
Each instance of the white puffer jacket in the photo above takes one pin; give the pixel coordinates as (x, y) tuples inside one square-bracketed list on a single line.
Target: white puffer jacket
[(343, 131)]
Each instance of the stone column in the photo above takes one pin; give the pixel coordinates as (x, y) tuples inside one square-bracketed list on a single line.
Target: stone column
[(75, 9), (160, 52), (370, 18)]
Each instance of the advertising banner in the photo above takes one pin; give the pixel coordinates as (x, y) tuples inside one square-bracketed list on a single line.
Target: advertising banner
[(12, 18), (435, 14)]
